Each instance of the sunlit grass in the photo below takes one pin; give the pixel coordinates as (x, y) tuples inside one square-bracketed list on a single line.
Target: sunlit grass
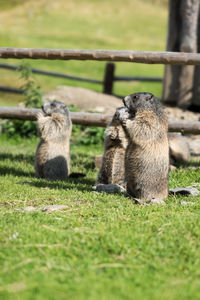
[(102, 246), (127, 25)]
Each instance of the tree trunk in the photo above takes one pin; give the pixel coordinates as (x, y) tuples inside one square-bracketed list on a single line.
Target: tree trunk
[(196, 92), (182, 36), (172, 73)]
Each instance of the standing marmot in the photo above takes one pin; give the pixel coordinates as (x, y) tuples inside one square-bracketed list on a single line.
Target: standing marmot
[(112, 168), (147, 153), (53, 156)]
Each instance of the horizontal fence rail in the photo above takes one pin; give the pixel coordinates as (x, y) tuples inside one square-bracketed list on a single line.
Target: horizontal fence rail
[(108, 82), (53, 74), (90, 119), (79, 118), (61, 75), (138, 78), (11, 90), (147, 57)]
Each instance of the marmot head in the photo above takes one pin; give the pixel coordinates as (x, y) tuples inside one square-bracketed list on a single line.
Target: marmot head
[(57, 107), (141, 101)]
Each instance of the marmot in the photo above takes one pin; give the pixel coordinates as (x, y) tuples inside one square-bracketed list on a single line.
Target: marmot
[(115, 143), (147, 153), (53, 155)]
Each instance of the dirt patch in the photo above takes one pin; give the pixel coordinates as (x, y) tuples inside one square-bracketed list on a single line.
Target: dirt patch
[(178, 114), (88, 100), (84, 99)]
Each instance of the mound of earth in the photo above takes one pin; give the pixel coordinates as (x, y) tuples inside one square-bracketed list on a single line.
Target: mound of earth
[(84, 99), (178, 114), (88, 100)]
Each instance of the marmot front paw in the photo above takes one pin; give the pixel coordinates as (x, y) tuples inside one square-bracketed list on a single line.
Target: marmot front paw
[(113, 135), (122, 114)]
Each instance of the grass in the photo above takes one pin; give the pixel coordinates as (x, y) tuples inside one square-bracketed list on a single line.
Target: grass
[(127, 25), (102, 246)]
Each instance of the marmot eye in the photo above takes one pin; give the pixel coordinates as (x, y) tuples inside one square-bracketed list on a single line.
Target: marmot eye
[(135, 97)]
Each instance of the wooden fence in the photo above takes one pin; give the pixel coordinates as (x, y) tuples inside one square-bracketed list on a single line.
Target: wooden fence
[(145, 57), (101, 55), (107, 82), (167, 58), (90, 119)]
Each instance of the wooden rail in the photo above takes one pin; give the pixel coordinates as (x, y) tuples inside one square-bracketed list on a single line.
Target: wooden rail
[(12, 90), (138, 78), (147, 57), (107, 82), (91, 119), (53, 74), (79, 118)]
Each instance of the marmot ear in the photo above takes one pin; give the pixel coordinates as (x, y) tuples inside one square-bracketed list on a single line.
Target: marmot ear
[(150, 97)]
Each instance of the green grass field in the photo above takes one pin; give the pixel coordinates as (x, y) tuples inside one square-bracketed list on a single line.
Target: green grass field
[(88, 24), (102, 247)]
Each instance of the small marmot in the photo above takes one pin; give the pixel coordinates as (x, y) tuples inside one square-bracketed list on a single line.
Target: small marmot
[(115, 143), (147, 153), (52, 159)]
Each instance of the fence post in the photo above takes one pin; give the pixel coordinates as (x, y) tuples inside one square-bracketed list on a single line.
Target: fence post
[(109, 78)]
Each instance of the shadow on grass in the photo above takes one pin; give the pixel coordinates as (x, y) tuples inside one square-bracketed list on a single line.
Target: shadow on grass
[(15, 172), (190, 164), (17, 157), (68, 184), (83, 159), (195, 164)]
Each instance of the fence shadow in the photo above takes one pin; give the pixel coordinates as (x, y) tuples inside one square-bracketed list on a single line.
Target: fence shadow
[(17, 157), (16, 171), (67, 184), (191, 164), (5, 170)]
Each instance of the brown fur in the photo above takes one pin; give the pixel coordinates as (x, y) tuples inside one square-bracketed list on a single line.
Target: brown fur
[(52, 159), (147, 153), (112, 169)]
